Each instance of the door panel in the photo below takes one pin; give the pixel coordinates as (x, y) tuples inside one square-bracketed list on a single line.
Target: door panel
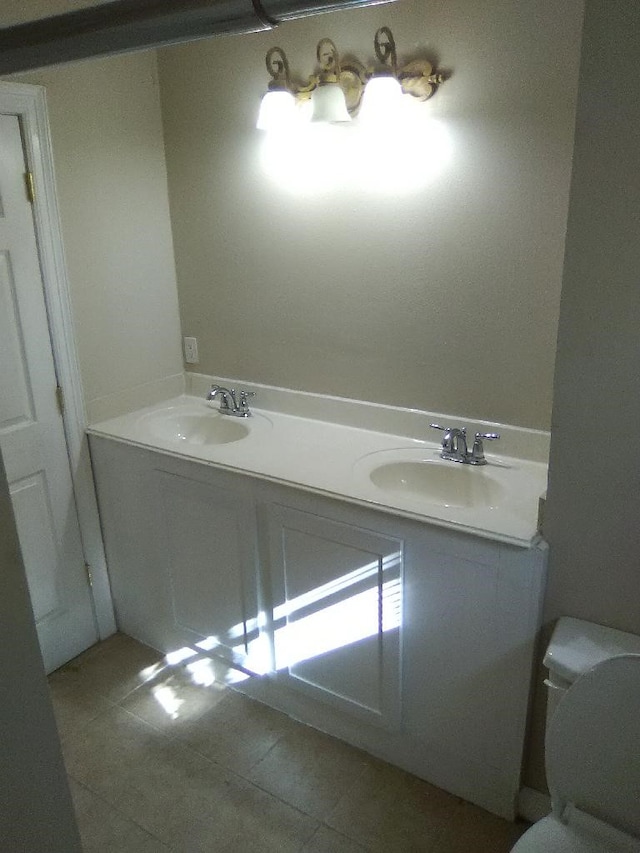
[(210, 560), (15, 390), (31, 427), (36, 531), (337, 597)]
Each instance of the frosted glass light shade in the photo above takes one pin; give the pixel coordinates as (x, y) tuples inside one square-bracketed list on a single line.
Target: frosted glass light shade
[(329, 104), (277, 111), (381, 99)]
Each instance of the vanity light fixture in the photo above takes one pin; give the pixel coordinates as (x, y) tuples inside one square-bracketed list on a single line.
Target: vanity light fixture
[(328, 99), (383, 91), (278, 106), (341, 89)]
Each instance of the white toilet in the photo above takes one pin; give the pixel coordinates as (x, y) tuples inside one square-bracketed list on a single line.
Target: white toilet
[(593, 765)]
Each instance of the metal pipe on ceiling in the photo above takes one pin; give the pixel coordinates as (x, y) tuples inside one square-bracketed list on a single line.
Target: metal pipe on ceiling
[(127, 25)]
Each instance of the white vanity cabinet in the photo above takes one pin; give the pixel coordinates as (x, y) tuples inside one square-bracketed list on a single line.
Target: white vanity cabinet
[(411, 641)]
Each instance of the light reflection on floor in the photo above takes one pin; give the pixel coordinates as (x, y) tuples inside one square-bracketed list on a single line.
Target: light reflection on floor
[(166, 697)]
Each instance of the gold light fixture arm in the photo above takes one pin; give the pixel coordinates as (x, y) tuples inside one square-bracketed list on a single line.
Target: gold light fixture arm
[(352, 80), (416, 77), (385, 47), (330, 71), (278, 67), (328, 60)]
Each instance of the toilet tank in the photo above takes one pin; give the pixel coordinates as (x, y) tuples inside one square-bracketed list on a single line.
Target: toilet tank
[(575, 647)]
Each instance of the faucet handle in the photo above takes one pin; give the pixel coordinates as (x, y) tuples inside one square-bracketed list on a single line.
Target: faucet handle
[(463, 430), (447, 429), (242, 402), (446, 438), (476, 457)]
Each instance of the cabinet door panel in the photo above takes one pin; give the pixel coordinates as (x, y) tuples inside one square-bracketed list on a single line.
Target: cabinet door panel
[(337, 612), (210, 560)]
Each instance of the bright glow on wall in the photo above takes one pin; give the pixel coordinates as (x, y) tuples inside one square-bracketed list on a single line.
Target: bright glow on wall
[(398, 157), (305, 160), (404, 157)]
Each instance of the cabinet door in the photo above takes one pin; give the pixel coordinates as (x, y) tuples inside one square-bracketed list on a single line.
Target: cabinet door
[(208, 535), (337, 612)]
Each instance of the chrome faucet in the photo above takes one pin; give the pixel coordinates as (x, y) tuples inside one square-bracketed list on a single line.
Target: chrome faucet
[(454, 445), (230, 404)]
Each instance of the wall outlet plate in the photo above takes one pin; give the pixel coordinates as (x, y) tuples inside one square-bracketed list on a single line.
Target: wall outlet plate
[(190, 350)]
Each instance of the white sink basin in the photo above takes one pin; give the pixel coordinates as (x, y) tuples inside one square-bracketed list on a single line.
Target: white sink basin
[(418, 476), (449, 484), (198, 426)]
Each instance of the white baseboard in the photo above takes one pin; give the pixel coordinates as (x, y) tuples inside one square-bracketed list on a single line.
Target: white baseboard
[(533, 805)]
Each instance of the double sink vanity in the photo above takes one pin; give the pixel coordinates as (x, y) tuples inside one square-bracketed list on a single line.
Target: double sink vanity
[(352, 577)]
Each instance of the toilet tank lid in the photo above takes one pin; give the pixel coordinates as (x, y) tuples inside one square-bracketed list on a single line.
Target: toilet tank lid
[(576, 646)]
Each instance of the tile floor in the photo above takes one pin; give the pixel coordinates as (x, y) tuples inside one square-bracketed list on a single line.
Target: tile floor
[(165, 756)]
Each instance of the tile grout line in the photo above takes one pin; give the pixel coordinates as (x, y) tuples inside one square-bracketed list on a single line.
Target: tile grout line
[(115, 809), (176, 739)]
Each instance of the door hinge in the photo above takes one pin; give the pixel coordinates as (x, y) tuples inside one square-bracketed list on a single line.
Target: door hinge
[(60, 399), (31, 186), (87, 569)]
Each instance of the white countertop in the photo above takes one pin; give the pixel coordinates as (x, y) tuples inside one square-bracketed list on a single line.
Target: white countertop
[(337, 460)]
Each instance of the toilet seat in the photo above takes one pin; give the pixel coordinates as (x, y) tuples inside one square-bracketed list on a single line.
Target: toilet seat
[(593, 765)]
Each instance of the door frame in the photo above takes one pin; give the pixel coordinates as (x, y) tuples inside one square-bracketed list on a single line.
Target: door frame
[(28, 102)]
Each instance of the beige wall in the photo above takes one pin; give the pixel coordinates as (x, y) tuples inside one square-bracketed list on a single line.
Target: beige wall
[(446, 298), (112, 188), (36, 811), (593, 509)]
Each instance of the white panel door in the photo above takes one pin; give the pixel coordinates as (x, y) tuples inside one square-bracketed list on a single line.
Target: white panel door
[(31, 427)]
